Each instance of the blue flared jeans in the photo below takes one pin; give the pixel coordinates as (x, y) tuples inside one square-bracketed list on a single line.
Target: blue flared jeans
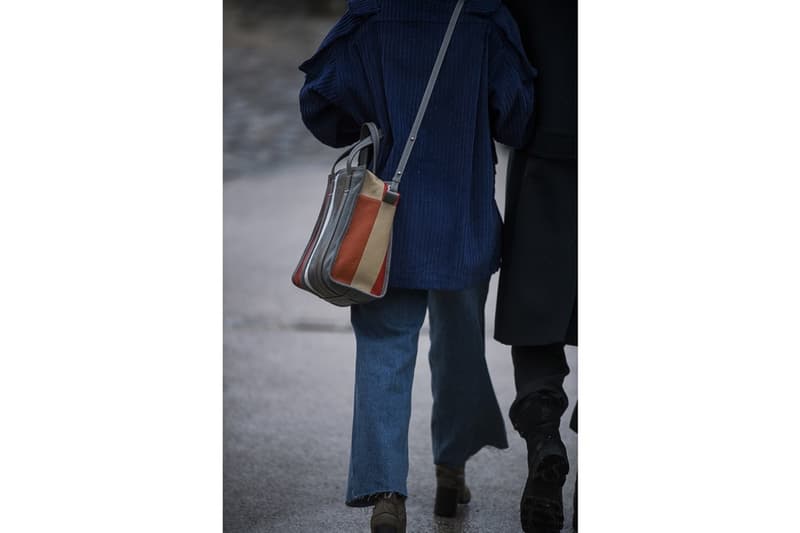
[(466, 416)]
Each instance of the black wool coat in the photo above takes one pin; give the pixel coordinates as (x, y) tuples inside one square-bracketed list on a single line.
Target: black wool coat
[(537, 296)]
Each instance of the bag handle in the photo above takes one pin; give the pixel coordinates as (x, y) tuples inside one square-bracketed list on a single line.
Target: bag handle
[(371, 130), (412, 136), (370, 138)]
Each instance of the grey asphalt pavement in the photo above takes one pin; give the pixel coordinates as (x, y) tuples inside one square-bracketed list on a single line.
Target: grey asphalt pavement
[(288, 378)]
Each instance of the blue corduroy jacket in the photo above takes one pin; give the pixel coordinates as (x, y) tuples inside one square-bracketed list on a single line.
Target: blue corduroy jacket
[(374, 66)]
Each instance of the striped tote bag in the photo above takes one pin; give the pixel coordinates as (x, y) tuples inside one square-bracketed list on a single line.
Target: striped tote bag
[(347, 258)]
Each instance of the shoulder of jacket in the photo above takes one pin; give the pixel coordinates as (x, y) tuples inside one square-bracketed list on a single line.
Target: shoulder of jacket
[(504, 22), (497, 13), (357, 12), (362, 7), (482, 7)]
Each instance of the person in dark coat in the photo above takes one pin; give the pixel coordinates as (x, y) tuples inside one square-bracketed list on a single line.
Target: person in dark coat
[(537, 297)]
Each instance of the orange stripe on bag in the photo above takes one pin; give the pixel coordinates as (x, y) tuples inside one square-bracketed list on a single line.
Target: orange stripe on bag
[(355, 239), (377, 289)]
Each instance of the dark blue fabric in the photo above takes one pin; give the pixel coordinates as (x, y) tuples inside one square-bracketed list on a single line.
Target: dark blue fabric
[(373, 66)]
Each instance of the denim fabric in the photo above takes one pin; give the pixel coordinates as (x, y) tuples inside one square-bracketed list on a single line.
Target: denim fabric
[(466, 416)]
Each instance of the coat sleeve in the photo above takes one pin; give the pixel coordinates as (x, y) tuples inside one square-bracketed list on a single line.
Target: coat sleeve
[(328, 105), (511, 83)]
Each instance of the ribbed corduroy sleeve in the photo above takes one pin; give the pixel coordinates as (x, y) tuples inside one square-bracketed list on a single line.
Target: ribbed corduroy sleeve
[(328, 107), (511, 79)]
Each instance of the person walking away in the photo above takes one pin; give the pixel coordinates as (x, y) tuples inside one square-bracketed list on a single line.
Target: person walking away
[(537, 296), (374, 66)]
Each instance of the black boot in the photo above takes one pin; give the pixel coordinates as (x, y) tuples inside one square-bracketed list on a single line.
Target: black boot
[(537, 420)]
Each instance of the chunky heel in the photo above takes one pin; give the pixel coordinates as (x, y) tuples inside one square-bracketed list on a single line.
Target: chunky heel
[(446, 502), (451, 490), (385, 529)]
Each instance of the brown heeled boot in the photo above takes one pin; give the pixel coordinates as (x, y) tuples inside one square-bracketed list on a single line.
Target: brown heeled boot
[(451, 490), (389, 514)]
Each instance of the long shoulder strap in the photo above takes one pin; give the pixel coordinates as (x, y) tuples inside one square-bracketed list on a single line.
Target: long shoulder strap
[(412, 137)]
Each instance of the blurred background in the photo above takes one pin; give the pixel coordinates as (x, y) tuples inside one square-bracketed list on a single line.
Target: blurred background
[(264, 42), (288, 357)]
